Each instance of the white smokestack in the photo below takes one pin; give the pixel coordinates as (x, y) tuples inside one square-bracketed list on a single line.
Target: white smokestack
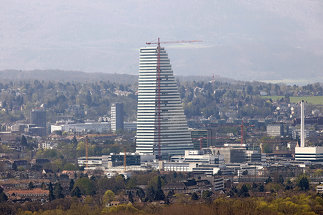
[(302, 125)]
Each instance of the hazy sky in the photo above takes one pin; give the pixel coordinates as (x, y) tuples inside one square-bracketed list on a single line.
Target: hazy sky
[(242, 39)]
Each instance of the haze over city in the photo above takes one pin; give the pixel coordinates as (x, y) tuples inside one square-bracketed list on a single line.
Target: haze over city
[(245, 40), (161, 107)]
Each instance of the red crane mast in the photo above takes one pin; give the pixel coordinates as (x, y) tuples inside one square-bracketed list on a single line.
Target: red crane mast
[(158, 86)]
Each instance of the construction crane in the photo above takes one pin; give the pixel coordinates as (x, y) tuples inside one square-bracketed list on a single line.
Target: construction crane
[(168, 42), (208, 138), (158, 86), (216, 138)]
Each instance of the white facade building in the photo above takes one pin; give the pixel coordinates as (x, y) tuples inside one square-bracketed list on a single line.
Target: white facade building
[(197, 156), (275, 130), (100, 127), (167, 133), (117, 115), (319, 189), (304, 153), (314, 154)]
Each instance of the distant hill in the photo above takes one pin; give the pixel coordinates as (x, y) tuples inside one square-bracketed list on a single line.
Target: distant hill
[(65, 76), (204, 78), (78, 76)]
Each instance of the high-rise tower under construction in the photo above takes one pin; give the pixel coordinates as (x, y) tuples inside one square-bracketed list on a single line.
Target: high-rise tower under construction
[(161, 124)]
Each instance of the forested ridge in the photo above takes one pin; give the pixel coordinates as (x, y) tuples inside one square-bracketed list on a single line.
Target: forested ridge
[(91, 100)]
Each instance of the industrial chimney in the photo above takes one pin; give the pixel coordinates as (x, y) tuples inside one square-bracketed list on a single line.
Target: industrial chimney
[(302, 125)]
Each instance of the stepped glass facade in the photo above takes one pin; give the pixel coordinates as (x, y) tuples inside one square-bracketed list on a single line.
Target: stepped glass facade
[(167, 134)]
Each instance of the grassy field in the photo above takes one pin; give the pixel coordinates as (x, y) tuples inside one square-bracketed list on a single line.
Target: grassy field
[(315, 100)]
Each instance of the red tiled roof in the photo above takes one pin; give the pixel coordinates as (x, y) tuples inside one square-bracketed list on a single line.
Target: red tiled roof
[(28, 192), (23, 181)]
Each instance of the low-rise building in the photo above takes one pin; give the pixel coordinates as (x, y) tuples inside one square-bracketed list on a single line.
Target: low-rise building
[(21, 163), (275, 130), (296, 133), (14, 184), (319, 189), (313, 154), (96, 127), (198, 156), (47, 145), (92, 161), (108, 161), (199, 138), (178, 166), (34, 130), (19, 127), (237, 153), (206, 169), (36, 194), (130, 126), (218, 183)]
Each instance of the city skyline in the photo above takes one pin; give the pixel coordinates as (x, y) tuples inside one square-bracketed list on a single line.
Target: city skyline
[(90, 123)]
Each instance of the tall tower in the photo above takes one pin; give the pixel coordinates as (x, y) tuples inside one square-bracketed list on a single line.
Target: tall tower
[(38, 122), (117, 116), (161, 124), (38, 117), (302, 125)]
